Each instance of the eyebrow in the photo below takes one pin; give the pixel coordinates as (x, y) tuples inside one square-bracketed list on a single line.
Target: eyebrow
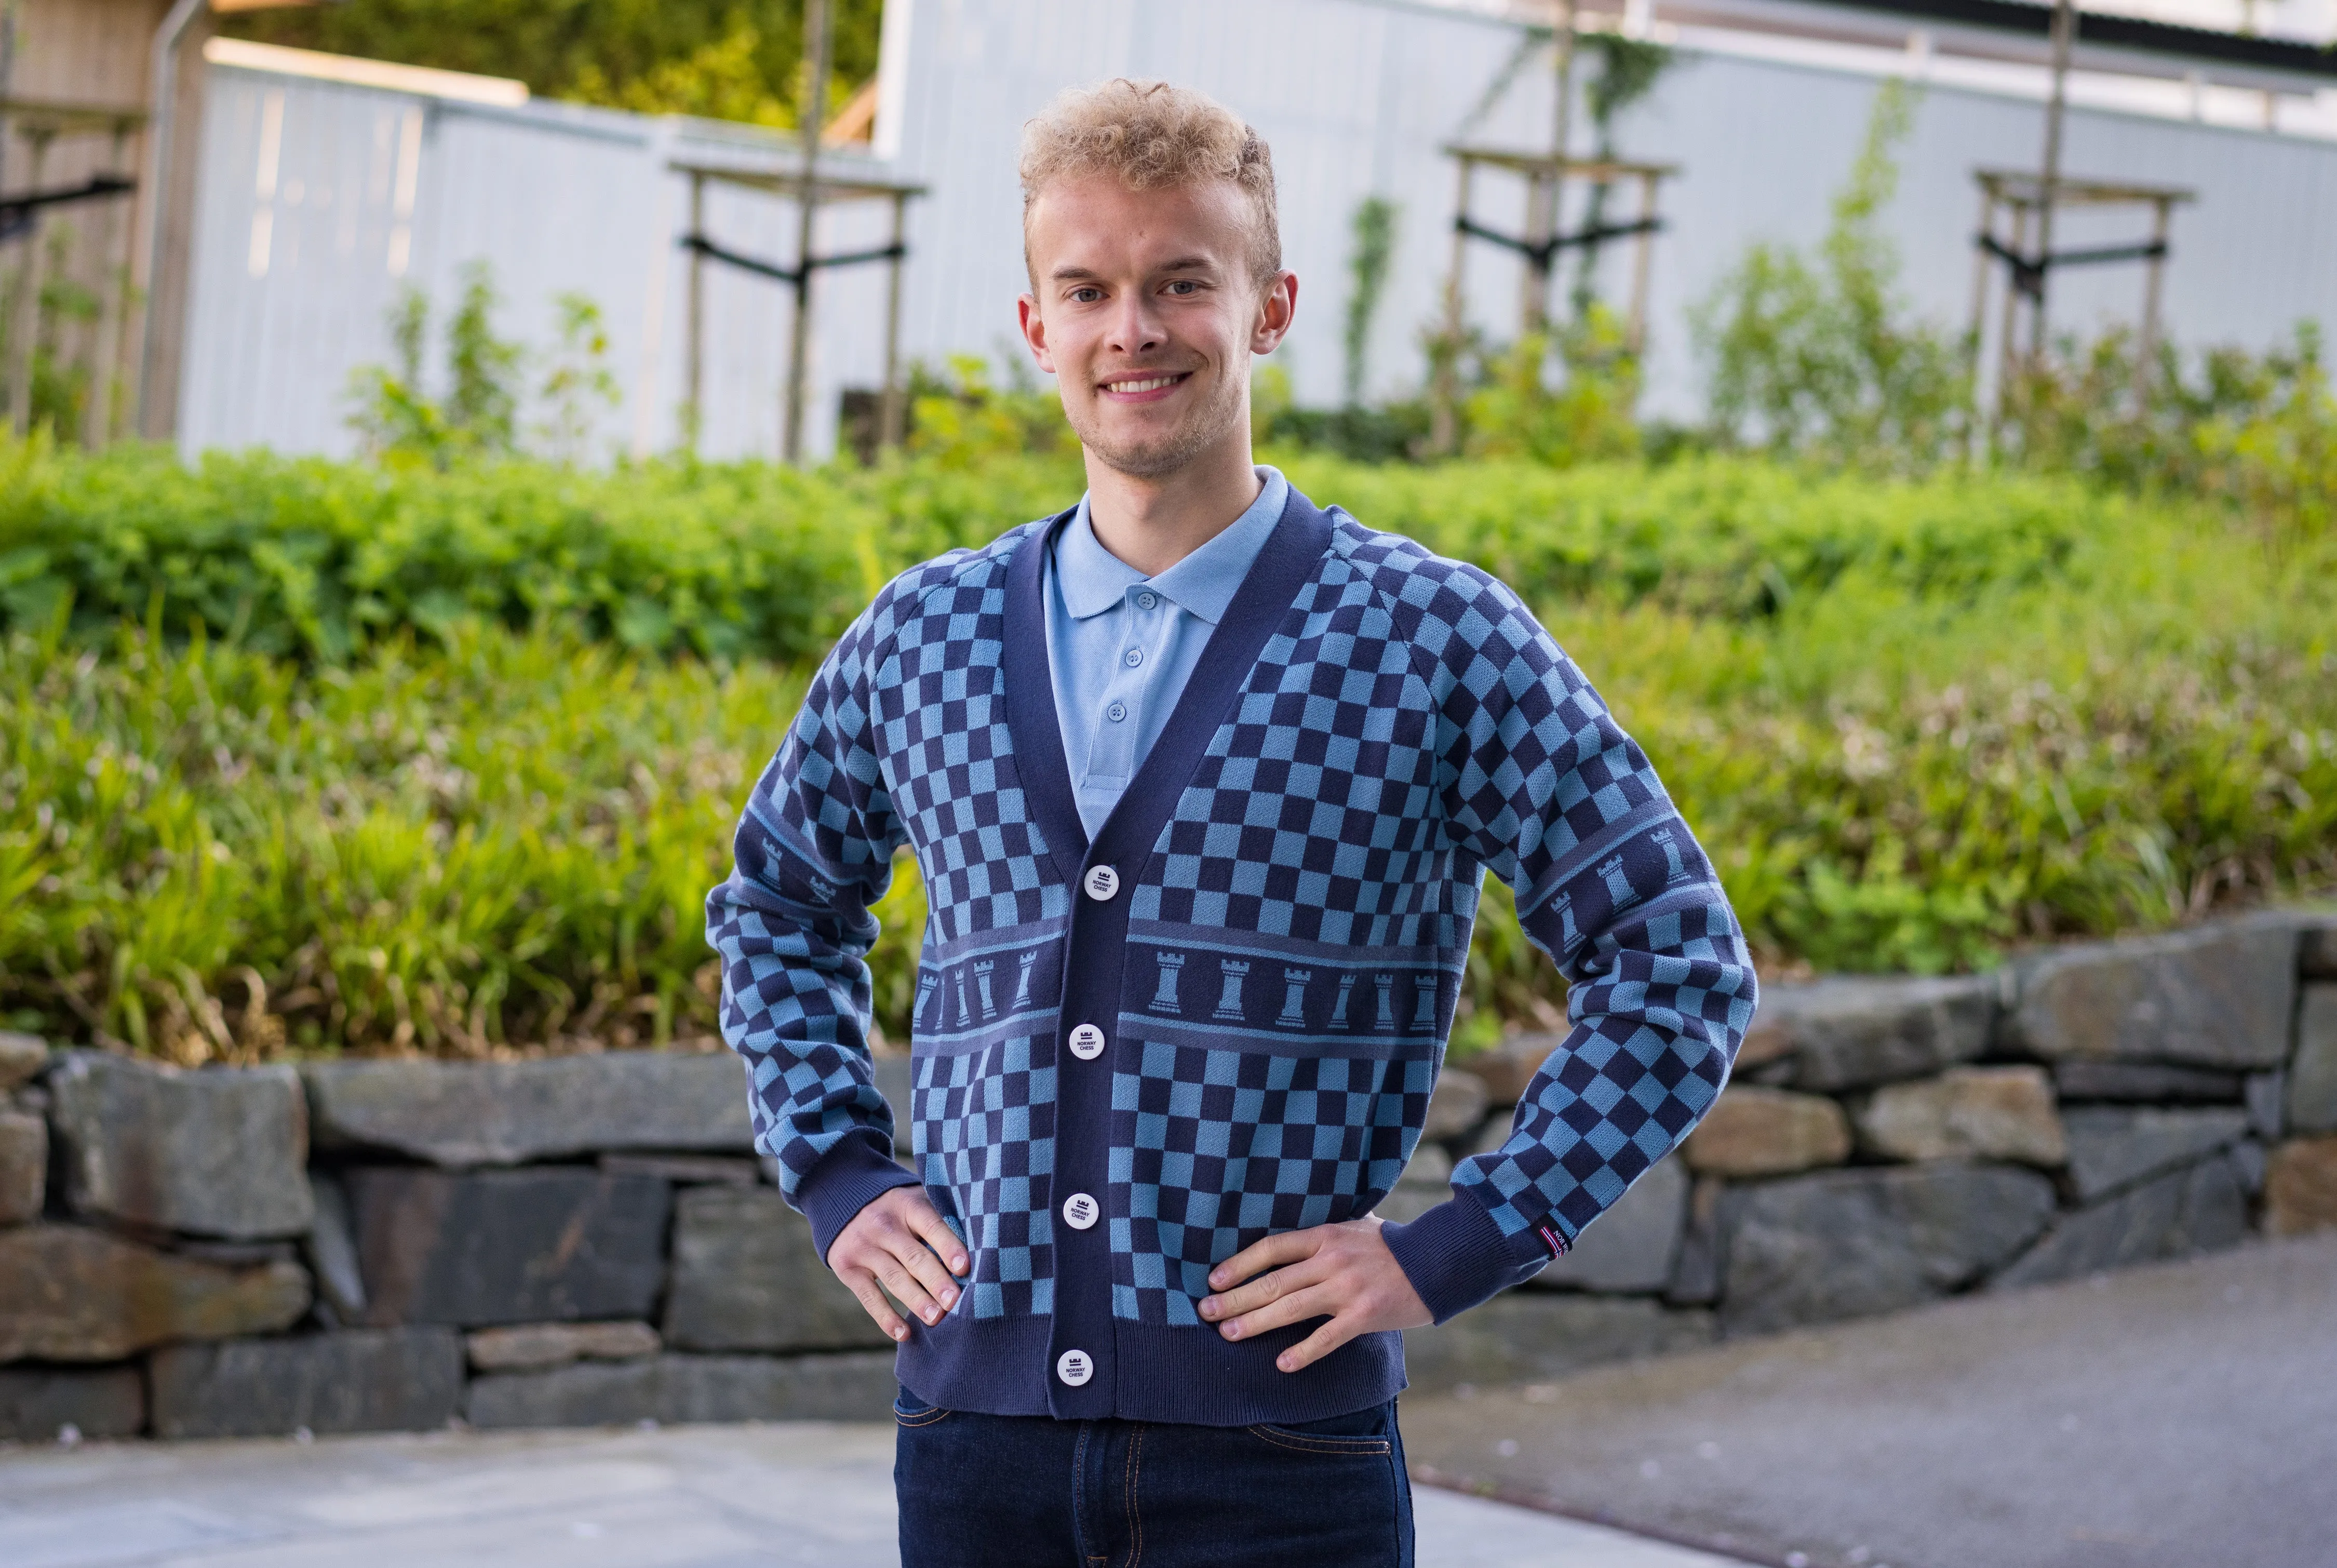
[(1068, 274)]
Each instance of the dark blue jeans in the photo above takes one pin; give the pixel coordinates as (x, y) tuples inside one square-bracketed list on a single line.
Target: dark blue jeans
[(1027, 1490)]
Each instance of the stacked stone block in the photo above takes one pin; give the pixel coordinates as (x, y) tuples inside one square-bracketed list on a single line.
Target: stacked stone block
[(352, 1246)]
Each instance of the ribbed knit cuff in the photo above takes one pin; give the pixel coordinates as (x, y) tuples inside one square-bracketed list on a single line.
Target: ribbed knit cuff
[(857, 1171), (1455, 1255)]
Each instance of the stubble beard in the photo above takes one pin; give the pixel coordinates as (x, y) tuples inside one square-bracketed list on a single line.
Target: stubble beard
[(1163, 454)]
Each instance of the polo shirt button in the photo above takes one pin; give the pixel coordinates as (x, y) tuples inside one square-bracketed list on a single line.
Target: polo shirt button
[(1134, 657), (1074, 1367), (1087, 1042), (1079, 1210), (1116, 712), (1102, 883), (1145, 601)]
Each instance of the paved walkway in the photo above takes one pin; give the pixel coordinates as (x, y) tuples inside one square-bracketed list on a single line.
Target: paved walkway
[(797, 1495), (2183, 1415)]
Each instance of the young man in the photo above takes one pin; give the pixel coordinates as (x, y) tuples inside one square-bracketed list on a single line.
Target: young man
[(1203, 782)]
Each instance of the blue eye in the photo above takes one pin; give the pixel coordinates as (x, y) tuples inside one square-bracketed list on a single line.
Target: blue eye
[(1183, 285)]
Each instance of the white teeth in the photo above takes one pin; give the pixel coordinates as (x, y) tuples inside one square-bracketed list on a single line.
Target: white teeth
[(1156, 381)]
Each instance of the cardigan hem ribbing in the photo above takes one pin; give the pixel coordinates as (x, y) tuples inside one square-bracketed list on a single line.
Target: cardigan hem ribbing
[(1191, 1375)]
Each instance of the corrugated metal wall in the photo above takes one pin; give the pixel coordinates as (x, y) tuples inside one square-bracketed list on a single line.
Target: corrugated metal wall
[(322, 203), (1357, 96)]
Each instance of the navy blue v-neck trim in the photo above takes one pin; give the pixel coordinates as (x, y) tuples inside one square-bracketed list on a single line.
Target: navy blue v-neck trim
[(1284, 563)]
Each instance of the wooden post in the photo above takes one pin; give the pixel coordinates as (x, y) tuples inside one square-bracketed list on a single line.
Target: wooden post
[(2005, 349), (814, 104), (1444, 430), (1546, 197), (26, 329), (1982, 261), (2048, 187), (2146, 346), (693, 412), (890, 419), (97, 424), (1643, 249)]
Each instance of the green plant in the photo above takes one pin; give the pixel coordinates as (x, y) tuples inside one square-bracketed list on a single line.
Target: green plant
[(269, 782), (1814, 355), (398, 423), (962, 421), (579, 386), (1628, 70), (1373, 226), (1587, 417)]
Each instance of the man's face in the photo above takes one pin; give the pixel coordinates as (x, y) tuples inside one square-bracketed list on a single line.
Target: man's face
[(1146, 311)]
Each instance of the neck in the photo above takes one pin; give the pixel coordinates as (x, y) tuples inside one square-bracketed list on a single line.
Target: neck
[(1153, 523)]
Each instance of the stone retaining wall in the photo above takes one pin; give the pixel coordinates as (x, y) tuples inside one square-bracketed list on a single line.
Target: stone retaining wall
[(354, 1246)]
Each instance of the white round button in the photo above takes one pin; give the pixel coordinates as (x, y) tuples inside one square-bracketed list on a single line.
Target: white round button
[(1087, 1042), (1103, 882), (1080, 1211), (1074, 1367)]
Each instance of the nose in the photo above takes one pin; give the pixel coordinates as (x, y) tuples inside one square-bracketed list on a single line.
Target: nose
[(1135, 328)]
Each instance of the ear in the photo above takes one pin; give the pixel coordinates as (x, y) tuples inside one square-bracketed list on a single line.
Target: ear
[(1034, 331), (1276, 307)]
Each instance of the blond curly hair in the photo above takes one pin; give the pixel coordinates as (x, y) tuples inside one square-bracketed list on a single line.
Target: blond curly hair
[(1148, 134)]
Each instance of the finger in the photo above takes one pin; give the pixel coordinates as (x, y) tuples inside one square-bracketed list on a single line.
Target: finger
[(1287, 1248), (862, 1286), (895, 1276), (918, 1259), (1340, 1328), (934, 1232), (1314, 1301), (1265, 1288)]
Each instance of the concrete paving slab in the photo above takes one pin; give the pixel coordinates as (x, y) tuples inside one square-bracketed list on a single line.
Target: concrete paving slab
[(2173, 1416), (783, 1495)]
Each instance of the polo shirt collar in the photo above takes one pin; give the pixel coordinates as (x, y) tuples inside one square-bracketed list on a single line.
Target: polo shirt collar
[(1091, 578)]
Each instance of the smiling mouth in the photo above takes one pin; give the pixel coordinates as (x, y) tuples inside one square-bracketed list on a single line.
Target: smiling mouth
[(1146, 384)]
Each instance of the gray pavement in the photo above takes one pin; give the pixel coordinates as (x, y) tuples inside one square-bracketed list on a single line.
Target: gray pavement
[(800, 1494), (2183, 1415)]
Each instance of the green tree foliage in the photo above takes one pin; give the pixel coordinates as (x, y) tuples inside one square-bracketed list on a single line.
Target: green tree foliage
[(1814, 353), (713, 57)]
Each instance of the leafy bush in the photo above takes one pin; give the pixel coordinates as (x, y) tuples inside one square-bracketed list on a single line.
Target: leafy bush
[(315, 559), (1814, 354), (1915, 721)]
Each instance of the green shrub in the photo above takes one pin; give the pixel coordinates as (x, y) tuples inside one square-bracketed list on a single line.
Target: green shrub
[(1915, 721), (315, 559)]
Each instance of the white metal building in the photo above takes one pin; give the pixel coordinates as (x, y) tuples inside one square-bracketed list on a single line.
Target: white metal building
[(321, 199)]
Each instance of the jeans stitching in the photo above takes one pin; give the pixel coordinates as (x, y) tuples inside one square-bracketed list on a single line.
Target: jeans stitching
[(1135, 1520), (922, 1418), (1352, 1448)]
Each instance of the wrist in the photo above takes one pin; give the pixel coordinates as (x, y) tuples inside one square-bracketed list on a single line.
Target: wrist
[(1455, 1255), (855, 1171)]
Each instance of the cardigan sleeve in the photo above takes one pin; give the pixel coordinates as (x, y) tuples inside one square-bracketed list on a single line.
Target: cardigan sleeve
[(1541, 787), (791, 928)]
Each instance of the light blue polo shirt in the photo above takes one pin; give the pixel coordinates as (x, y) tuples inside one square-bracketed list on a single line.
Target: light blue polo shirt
[(1121, 645)]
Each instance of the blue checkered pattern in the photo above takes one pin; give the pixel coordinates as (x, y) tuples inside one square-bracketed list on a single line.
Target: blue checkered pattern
[(985, 1129), (1217, 1148), (1407, 728)]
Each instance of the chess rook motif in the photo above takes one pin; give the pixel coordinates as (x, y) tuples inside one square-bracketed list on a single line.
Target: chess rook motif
[(1229, 1003), (1293, 999), (1164, 996)]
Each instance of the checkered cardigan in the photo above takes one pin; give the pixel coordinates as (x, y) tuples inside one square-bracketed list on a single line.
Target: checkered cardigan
[(1270, 932)]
